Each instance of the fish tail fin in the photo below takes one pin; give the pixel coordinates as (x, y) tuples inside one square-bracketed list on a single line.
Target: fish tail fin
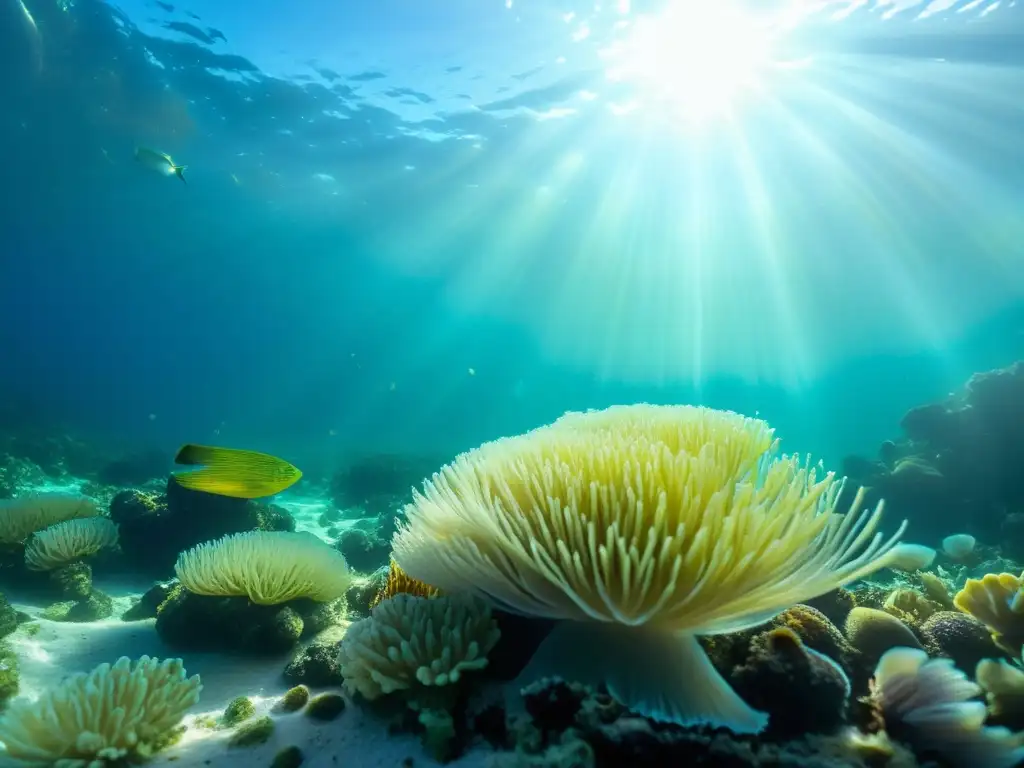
[(193, 455), (179, 171)]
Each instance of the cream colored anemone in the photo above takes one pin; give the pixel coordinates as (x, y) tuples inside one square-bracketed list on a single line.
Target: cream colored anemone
[(641, 527), (267, 567), (69, 542), (123, 712), (409, 640), (21, 517), (926, 703)]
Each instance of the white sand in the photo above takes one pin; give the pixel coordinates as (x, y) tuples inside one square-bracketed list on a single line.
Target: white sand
[(307, 511), (355, 738)]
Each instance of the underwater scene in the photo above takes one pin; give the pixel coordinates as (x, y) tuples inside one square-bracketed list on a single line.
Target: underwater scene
[(512, 383)]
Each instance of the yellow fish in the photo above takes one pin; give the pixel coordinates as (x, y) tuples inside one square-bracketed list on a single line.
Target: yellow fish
[(233, 472)]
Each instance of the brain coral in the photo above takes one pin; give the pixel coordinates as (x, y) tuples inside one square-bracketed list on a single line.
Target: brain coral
[(267, 567), (68, 542), (114, 713), (641, 527)]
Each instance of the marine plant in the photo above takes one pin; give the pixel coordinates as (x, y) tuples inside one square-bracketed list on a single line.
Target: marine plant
[(997, 601), (641, 527), (21, 517), (398, 582), (126, 712), (68, 542), (268, 567)]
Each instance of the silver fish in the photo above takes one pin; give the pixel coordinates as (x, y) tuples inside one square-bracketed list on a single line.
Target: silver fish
[(160, 162)]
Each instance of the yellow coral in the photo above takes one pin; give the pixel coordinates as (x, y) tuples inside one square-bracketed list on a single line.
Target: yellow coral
[(398, 583), (641, 526), (1003, 684), (409, 639), (997, 601), (68, 542), (21, 517), (267, 567), (935, 590), (910, 606), (114, 713)]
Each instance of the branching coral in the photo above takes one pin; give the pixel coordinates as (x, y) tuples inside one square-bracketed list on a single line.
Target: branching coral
[(21, 517), (925, 704), (398, 583), (69, 542), (124, 711), (641, 526), (997, 601), (410, 640), (267, 567)]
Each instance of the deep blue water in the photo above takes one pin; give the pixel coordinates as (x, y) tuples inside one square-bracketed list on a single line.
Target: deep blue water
[(384, 195)]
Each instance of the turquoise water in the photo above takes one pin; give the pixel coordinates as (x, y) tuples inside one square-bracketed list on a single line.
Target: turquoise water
[(410, 227)]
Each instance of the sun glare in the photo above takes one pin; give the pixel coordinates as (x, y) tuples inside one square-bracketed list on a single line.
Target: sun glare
[(696, 58)]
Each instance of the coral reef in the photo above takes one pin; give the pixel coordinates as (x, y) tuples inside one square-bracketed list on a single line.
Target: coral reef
[(802, 691), (638, 500), (365, 551), (198, 622), (316, 665), (126, 711), (957, 462), (156, 528), (381, 483)]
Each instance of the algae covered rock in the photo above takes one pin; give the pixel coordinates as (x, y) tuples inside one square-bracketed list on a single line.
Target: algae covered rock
[(155, 528), (326, 706), (252, 733), (293, 700), (95, 607), (315, 665), (9, 617), (149, 603), (237, 710), (72, 581), (201, 622), (801, 690), (9, 675), (364, 551), (289, 757)]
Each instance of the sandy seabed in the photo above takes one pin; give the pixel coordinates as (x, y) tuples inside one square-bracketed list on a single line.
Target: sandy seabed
[(355, 738)]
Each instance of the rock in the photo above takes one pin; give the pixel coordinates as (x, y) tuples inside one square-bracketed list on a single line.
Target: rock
[(316, 665), (202, 622), (148, 604)]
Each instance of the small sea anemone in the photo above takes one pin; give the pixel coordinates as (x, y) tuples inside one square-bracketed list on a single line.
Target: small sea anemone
[(959, 546), (935, 590), (399, 583), (268, 567), (925, 703), (68, 542), (910, 606), (997, 601), (410, 640), (122, 712), (641, 527), (21, 517)]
